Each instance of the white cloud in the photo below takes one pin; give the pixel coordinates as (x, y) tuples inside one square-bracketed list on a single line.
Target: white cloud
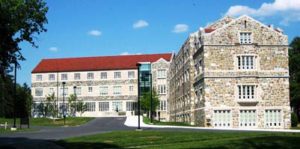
[(53, 49), (95, 33), (180, 28), (127, 53), (124, 53), (140, 24), (288, 10)]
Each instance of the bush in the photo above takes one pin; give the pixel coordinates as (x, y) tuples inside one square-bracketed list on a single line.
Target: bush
[(294, 119)]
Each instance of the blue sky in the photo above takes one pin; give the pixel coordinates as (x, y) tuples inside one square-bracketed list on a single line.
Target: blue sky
[(112, 27)]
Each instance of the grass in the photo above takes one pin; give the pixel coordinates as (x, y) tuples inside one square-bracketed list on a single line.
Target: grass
[(146, 120), (188, 139), (70, 121)]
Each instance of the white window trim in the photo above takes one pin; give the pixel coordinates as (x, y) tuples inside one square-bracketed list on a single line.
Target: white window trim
[(251, 37), (230, 117), (256, 118), (256, 93), (255, 62), (281, 115), (163, 77)]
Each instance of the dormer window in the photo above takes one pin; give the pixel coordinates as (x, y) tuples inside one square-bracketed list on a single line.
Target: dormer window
[(245, 38)]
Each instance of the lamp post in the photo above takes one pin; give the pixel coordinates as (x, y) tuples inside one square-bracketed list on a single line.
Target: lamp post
[(15, 93), (139, 92), (64, 114), (75, 99)]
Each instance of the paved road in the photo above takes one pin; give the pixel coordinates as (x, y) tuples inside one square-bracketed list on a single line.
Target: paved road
[(98, 125)]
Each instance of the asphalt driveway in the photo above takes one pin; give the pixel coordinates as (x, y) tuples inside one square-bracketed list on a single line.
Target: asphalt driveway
[(98, 125)]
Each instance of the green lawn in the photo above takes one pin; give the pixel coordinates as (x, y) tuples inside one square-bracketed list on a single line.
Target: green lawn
[(180, 139), (146, 120), (70, 121)]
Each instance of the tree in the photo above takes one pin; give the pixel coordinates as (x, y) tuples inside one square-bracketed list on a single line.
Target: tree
[(24, 101), (20, 21), (72, 103), (294, 69), (146, 101), (50, 107), (81, 107)]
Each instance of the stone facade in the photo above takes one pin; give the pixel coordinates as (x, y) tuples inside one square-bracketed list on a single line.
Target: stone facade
[(158, 81), (222, 86)]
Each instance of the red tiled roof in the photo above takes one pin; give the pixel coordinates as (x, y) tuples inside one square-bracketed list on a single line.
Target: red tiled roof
[(209, 30), (96, 63)]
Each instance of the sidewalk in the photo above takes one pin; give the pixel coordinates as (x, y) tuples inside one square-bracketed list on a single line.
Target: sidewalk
[(132, 121)]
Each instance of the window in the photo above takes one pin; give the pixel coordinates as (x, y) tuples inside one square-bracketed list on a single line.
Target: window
[(117, 106), (246, 62), (103, 106), (117, 75), (245, 38), (130, 74), (39, 77), (162, 105), (161, 89), (64, 76), (63, 107), (78, 90), (103, 90), (90, 106), (90, 75), (247, 118), (221, 118), (39, 92), (90, 89), (246, 91), (130, 88), (61, 91), (103, 75), (273, 118), (130, 106), (51, 90), (51, 77), (117, 90), (161, 73), (77, 76)]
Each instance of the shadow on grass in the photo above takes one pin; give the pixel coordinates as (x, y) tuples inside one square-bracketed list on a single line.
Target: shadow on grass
[(84, 145), (266, 142), (21, 143)]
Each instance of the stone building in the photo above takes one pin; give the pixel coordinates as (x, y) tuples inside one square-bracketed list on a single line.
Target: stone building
[(107, 84), (238, 71)]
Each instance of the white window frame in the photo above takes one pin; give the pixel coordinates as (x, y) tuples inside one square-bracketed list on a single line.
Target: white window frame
[(103, 90), (61, 91), (248, 124), (51, 91), (163, 105), (117, 104), (39, 77), (77, 76), (243, 62), (117, 75), (117, 90), (247, 40), (64, 76), (273, 122), (103, 106), (90, 75), (39, 92), (90, 106), (78, 91), (131, 88), (162, 89), (161, 73), (51, 77), (131, 74), (220, 119), (90, 89), (103, 75), (247, 92)]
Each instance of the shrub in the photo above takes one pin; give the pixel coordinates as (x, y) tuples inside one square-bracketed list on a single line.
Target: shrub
[(294, 120)]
